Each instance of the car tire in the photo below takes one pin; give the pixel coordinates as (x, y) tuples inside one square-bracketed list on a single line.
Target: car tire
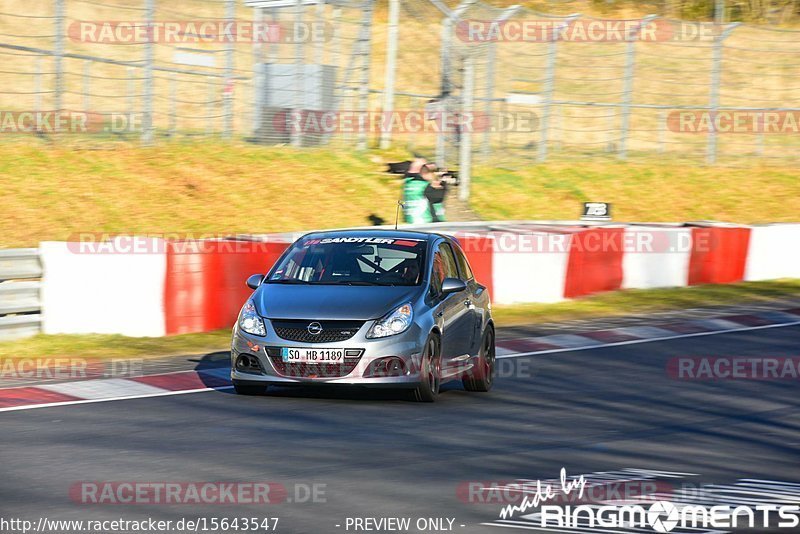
[(481, 377), (249, 389), (430, 371)]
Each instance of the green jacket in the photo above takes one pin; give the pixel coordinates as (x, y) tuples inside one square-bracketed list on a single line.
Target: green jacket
[(416, 208)]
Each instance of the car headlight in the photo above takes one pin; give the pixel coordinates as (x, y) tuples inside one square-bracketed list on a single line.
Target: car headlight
[(250, 322), (393, 323)]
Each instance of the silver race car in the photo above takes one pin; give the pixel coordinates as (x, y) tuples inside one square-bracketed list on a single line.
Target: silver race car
[(375, 308)]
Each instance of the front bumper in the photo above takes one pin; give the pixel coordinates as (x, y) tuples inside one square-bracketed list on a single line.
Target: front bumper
[(406, 346)]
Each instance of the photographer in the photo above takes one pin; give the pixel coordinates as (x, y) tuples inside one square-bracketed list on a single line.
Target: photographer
[(416, 208), (434, 192)]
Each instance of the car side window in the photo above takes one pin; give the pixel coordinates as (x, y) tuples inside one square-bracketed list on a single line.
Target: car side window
[(463, 265), (437, 274), (444, 266), (451, 271)]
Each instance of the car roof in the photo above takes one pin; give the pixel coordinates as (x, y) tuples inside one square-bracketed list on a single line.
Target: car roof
[(384, 233)]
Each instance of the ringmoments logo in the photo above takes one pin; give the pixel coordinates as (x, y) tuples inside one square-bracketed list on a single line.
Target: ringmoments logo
[(559, 504)]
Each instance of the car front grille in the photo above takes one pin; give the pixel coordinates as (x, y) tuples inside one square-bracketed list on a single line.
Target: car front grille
[(312, 370), (332, 331)]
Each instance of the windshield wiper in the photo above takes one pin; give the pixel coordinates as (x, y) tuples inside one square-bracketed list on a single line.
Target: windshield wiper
[(286, 281)]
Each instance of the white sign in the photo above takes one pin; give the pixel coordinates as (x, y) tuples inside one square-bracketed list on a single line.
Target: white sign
[(525, 99), (279, 3), (195, 60)]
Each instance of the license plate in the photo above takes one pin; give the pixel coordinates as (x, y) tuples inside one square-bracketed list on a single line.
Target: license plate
[(320, 356)]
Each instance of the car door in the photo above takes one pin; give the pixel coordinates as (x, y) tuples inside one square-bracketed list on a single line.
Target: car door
[(475, 293), (453, 310)]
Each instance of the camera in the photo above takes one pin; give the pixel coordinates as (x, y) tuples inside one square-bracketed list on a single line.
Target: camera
[(448, 177)]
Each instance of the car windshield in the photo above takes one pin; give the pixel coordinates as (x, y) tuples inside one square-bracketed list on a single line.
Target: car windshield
[(352, 261)]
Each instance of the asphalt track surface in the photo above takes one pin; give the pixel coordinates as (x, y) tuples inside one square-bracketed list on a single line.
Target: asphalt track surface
[(377, 454)]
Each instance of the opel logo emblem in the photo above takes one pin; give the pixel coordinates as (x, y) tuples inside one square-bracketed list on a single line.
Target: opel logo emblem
[(314, 328)]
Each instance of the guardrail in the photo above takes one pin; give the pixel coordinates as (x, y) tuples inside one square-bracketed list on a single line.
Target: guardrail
[(20, 305)]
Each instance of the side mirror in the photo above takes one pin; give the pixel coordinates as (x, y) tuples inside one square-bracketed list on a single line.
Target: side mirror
[(453, 285), (254, 281)]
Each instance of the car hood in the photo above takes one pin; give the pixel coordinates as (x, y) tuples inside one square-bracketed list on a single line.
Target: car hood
[(321, 302)]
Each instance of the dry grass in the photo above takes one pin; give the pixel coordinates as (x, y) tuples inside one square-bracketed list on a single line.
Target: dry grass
[(665, 191), (52, 193)]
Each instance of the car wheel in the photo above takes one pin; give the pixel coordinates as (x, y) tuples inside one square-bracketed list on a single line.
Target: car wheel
[(481, 376), (249, 389), (430, 372)]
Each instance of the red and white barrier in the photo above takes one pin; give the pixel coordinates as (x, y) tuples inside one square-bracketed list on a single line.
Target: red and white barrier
[(164, 288), (109, 290), (530, 267), (204, 287), (719, 254), (774, 252), (656, 257)]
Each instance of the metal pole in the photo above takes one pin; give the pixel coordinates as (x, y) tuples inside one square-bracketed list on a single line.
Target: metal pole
[(713, 99), (58, 48), (147, 116), (336, 39), (444, 92), (363, 90), (719, 12), (549, 84), (299, 79), (445, 59), (491, 58), (258, 53), (274, 18), (627, 91), (230, 18), (465, 146), (319, 21), (391, 66)]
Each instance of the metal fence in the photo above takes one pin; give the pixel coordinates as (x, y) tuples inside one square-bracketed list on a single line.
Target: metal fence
[(152, 69), (688, 91), (20, 306), (550, 95)]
